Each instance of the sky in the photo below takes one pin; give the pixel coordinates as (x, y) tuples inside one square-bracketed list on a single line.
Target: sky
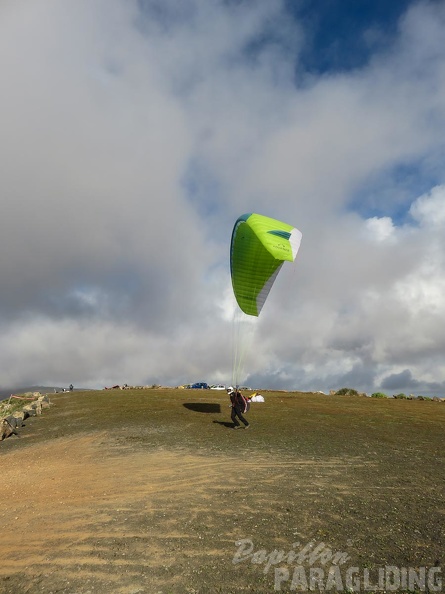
[(135, 133)]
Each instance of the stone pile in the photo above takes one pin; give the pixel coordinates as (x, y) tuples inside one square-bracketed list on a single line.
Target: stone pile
[(10, 423)]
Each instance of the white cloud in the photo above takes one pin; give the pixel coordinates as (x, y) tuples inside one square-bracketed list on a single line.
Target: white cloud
[(380, 228), (429, 209)]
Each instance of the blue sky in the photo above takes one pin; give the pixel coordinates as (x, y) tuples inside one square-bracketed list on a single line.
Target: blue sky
[(137, 133), (345, 35)]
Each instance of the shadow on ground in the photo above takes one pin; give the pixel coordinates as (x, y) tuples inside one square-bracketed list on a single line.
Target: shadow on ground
[(203, 407), (225, 424)]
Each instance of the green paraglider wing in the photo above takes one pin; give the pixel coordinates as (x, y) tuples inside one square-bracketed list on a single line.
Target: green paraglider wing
[(259, 247)]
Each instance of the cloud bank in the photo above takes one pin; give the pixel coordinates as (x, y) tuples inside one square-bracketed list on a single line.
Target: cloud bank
[(135, 133)]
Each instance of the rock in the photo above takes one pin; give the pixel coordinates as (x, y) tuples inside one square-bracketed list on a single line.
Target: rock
[(6, 430), (13, 421), (29, 411)]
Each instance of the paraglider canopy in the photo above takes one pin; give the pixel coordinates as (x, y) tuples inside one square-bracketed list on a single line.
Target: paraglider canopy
[(259, 247)]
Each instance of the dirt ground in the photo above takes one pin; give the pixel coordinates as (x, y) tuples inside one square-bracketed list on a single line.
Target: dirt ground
[(131, 492)]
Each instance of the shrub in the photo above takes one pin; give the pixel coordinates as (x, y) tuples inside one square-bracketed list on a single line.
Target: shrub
[(346, 392), (401, 396), (8, 408), (379, 395)]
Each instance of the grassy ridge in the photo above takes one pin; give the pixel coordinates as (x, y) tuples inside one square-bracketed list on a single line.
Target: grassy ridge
[(293, 422), (296, 423)]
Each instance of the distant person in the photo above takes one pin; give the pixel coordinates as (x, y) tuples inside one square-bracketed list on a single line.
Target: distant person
[(239, 408), (71, 387)]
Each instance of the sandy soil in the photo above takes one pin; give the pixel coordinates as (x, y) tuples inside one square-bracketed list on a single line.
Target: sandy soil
[(87, 517)]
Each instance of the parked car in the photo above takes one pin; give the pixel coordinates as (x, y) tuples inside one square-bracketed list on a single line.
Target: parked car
[(200, 386), (218, 387)]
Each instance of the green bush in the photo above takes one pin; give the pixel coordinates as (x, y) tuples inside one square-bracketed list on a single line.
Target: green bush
[(379, 395), (401, 396), (8, 408), (346, 392)]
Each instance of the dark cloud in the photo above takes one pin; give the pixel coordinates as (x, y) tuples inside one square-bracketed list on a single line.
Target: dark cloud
[(402, 381)]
